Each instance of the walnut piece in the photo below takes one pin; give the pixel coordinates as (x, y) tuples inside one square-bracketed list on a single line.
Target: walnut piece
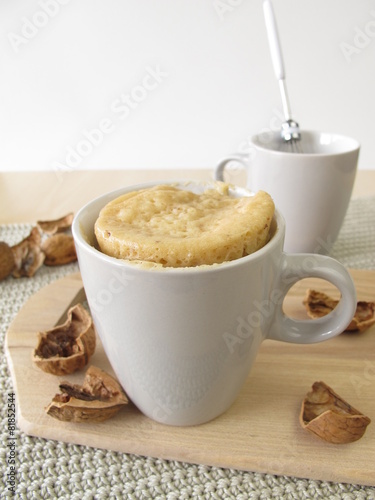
[(59, 249), (7, 262), (28, 255), (98, 399), (67, 347), (319, 304), (327, 415), (56, 226)]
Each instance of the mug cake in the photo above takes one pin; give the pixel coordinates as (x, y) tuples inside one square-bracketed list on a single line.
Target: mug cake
[(174, 227)]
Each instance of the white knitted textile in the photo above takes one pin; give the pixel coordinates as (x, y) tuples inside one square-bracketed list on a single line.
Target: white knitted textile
[(48, 469), (355, 245)]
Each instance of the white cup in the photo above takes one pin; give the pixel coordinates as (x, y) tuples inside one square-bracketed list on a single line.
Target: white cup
[(311, 189), (182, 340)]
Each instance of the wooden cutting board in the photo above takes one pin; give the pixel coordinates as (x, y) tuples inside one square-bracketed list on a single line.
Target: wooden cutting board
[(260, 432)]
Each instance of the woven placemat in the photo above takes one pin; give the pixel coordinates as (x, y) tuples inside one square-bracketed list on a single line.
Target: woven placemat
[(45, 469)]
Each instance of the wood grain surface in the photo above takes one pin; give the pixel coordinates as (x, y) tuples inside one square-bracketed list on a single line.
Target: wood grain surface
[(61, 192), (260, 432)]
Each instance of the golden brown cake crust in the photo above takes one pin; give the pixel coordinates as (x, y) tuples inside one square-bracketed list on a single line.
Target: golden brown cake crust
[(177, 228)]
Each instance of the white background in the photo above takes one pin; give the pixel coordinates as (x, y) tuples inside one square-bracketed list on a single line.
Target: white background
[(66, 65)]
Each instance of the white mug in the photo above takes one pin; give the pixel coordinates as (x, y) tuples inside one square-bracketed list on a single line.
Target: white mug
[(311, 189), (182, 341)]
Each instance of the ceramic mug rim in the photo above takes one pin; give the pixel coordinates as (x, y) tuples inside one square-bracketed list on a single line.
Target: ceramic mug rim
[(93, 207), (352, 144)]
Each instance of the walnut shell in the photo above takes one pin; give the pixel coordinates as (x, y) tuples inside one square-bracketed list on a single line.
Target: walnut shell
[(59, 249), (56, 226), (7, 262), (319, 304), (67, 347), (98, 399), (28, 255), (327, 415)]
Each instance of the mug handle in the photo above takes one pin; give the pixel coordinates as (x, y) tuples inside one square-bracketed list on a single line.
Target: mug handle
[(296, 267), (219, 171)]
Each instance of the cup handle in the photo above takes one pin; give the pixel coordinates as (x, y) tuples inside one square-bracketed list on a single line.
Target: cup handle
[(299, 266), (219, 172)]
